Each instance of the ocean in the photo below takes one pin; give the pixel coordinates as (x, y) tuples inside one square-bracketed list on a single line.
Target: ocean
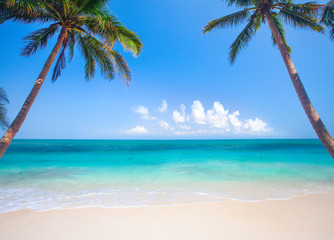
[(62, 174)]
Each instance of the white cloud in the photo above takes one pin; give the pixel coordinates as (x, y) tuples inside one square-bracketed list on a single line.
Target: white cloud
[(256, 125), (180, 116), (137, 130), (214, 121), (144, 113), (141, 110), (217, 116), (185, 127), (235, 122), (164, 125), (163, 107), (198, 114)]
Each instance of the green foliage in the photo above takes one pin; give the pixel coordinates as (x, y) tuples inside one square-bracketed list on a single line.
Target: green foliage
[(256, 12), (243, 38), (281, 29), (3, 111), (90, 27), (327, 18)]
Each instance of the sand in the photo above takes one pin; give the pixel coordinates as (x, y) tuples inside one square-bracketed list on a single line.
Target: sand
[(306, 217)]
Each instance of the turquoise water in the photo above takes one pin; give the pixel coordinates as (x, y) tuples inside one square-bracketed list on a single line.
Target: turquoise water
[(48, 174)]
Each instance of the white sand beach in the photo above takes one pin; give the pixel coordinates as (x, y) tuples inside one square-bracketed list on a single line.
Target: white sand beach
[(306, 217)]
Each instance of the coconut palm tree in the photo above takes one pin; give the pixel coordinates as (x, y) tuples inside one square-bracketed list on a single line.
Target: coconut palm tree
[(85, 24), (3, 110), (274, 12), (327, 18)]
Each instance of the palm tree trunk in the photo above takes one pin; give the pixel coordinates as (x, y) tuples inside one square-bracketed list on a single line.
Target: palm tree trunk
[(312, 115), (17, 123)]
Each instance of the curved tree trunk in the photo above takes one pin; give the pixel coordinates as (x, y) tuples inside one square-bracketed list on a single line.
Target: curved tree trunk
[(16, 124), (312, 115)]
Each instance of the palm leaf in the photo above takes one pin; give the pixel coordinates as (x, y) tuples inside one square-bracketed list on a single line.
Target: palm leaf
[(61, 62), (3, 111), (71, 44), (240, 3), (281, 30), (309, 8), (122, 66), (300, 20), (243, 38), (3, 96), (101, 56), (327, 18), (26, 11), (227, 21), (38, 39), (327, 13), (109, 28), (88, 56)]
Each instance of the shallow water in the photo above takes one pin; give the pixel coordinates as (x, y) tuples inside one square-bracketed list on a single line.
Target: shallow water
[(48, 174)]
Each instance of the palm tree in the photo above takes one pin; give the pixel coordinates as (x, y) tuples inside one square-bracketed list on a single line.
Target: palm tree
[(86, 24), (256, 12), (3, 110), (327, 18)]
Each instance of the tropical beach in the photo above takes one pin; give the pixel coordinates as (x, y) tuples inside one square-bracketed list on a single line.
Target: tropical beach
[(194, 189), (307, 217), (214, 131)]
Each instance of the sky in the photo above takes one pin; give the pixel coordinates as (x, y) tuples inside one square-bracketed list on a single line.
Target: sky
[(183, 85)]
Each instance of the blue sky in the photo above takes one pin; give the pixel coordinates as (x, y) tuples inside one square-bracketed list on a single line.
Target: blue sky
[(179, 68)]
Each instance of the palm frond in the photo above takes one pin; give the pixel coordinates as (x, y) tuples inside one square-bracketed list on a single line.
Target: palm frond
[(331, 32), (327, 14), (89, 5), (3, 116), (61, 62), (109, 28), (243, 38), (25, 11), (71, 44), (227, 21), (101, 55), (281, 30), (122, 66), (84, 47), (38, 39), (309, 8), (3, 96), (327, 18), (300, 20), (258, 22), (3, 110), (240, 3)]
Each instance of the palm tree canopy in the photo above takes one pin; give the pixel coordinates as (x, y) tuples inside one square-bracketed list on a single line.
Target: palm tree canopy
[(254, 14), (3, 110), (90, 27), (327, 18)]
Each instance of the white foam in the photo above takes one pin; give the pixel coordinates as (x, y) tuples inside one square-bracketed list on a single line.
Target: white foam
[(41, 199)]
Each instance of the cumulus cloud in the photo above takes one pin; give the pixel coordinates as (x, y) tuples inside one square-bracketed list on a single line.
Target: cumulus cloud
[(144, 113), (180, 117), (164, 125), (163, 107), (235, 122), (256, 125), (198, 114), (218, 117), (216, 120), (137, 130)]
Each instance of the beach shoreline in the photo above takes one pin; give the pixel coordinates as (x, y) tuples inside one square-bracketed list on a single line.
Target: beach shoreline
[(302, 217)]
